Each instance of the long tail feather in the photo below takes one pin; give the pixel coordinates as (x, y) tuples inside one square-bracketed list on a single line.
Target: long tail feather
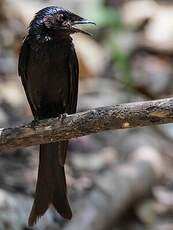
[(51, 183)]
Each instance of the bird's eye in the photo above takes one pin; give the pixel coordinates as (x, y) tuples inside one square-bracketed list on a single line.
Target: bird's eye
[(61, 17)]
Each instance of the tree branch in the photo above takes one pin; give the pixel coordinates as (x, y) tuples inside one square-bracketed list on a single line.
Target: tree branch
[(93, 121)]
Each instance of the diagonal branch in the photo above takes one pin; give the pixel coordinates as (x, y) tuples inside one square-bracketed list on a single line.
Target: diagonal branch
[(95, 120)]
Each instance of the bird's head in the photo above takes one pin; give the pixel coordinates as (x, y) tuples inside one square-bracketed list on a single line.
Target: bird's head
[(56, 19)]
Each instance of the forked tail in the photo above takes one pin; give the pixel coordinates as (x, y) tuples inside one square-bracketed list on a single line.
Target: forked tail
[(51, 182)]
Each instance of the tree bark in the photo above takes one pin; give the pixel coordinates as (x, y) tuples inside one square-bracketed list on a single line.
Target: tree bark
[(121, 116)]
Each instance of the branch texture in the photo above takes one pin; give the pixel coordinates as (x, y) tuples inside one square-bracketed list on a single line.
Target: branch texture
[(121, 116)]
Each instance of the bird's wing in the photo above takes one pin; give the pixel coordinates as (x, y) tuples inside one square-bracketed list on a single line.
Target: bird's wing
[(23, 60), (23, 69), (74, 76)]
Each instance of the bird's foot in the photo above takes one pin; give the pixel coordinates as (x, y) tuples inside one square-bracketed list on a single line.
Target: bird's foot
[(34, 123), (62, 116)]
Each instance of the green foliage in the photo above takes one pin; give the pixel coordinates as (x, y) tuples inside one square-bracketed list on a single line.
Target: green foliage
[(120, 57), (104, 17), (110, 19)]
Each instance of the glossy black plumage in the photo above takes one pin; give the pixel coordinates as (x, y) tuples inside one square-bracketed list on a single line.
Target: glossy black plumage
[(48, 68)]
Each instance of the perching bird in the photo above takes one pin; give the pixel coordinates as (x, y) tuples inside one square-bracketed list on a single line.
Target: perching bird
[(48, 67)]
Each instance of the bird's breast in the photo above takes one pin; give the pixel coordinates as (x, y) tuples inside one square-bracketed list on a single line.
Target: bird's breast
[(49, 79)]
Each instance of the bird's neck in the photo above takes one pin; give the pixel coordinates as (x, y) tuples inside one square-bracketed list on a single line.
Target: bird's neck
[(44, 37), (40, 34)]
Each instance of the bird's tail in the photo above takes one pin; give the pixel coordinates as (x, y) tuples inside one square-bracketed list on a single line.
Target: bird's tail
[(51, 182)]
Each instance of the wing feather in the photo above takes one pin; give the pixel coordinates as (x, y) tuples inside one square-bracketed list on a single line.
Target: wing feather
[(23, 69), (74, 77)]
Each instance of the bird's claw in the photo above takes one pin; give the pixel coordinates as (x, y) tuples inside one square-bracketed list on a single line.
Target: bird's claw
[(34, 123), (62, 116)]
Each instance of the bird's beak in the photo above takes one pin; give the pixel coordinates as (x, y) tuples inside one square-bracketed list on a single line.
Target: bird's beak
[(81, 21)]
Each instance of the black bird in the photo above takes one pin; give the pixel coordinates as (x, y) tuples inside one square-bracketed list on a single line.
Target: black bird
[(48, 67)]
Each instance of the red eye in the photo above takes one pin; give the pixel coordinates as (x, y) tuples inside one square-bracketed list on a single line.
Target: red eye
[(61, 18)]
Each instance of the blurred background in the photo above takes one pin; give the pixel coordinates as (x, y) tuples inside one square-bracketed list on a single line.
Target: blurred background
[(128, 58)]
